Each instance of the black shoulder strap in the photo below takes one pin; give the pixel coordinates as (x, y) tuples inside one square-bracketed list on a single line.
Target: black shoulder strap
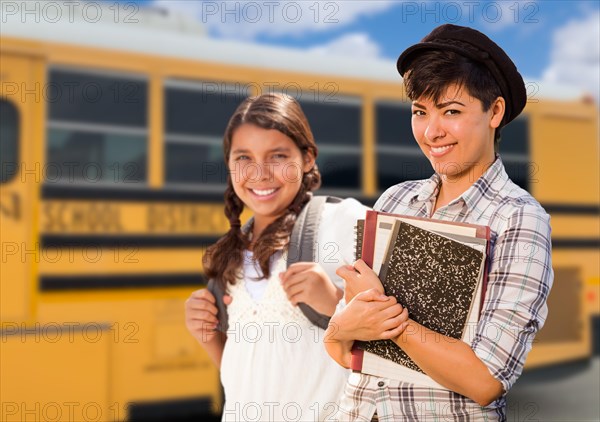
[(218, 292), (302, 246)]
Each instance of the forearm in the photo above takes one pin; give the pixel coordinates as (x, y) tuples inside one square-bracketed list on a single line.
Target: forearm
[(339, 350), (214, 347), (328, 301), (450, 362), (338, 294)]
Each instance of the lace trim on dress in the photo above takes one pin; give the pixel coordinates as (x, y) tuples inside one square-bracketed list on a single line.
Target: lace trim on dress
[(274, 306)]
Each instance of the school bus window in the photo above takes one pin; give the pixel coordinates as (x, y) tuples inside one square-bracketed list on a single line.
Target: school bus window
[(336, 124), (339, 169), (87, 156), (399, 158), (188, 163), (196, 115), (515, 137), (9, 140), (392, 122), (397, 168), (200, 108), (95, 98), (514, 148), (97, 128)]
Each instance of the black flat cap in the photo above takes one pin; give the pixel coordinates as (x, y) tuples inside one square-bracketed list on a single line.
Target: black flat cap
[(476, 46)]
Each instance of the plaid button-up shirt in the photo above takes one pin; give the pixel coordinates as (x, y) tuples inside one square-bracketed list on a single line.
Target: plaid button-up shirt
[(514, 309)]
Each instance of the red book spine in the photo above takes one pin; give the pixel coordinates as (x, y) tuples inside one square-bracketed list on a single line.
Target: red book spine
[(356, 362), (369, 237)]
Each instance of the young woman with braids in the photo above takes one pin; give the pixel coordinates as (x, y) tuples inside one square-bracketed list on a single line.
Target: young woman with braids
[(272, 359)]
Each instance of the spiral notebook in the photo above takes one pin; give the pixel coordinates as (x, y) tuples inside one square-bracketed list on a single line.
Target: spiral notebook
[(437, 269), (359, 230)]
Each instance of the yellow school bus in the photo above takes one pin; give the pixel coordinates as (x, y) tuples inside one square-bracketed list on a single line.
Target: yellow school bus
[(111, 188)]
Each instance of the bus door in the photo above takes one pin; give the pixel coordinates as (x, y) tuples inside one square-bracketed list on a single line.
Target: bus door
[(20, 127)]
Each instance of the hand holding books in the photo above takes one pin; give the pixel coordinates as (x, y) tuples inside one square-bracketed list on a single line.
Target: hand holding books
[(359, 277), (369, 315)]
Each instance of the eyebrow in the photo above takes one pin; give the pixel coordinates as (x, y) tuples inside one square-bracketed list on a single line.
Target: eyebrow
[(440, 105), (247, 151)]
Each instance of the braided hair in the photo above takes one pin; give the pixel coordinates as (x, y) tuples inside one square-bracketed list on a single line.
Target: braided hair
[(223, 261)]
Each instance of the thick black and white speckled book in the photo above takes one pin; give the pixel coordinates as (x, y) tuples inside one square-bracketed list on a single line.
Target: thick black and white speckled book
[(435, 277), (438, 274)]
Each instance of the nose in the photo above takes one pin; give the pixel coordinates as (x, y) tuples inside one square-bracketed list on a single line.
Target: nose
[(434, 129), (257, 171), (266, 170)]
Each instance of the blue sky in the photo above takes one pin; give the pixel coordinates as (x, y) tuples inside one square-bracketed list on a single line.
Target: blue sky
[(549, 40)]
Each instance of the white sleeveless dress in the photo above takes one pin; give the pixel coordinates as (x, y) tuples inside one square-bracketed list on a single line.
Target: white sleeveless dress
[(274, 365)]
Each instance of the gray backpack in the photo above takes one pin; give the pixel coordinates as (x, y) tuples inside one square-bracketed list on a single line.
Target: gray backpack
[(301, 249)]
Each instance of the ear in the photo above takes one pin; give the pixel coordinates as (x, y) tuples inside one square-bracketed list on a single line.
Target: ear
[(309, 161), (498, 109)]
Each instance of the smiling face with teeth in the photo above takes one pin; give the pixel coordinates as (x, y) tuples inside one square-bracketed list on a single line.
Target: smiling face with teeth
[(266, 170), (457, 135)]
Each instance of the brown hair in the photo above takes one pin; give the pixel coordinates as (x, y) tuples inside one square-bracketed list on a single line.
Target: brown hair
[(223, 260), (433, 71)]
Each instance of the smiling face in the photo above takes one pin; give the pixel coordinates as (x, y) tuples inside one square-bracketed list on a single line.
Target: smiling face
[(456, 134), (266, 170)]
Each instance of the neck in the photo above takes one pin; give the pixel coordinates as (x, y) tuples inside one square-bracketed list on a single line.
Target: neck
[(453, 187), (259, 225)]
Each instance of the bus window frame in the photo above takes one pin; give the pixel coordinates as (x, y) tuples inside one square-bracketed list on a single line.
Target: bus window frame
[(399, 150), (102, 128), (331, 147), (196, 85), (519, 158), (17, 138)]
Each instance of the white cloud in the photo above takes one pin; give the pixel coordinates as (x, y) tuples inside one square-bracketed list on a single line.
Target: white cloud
[(358, 45), (499, 15), (185, 7), (575, 58), (249, 19)]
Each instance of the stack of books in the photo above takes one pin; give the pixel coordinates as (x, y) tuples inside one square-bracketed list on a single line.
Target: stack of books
[(436, 269)]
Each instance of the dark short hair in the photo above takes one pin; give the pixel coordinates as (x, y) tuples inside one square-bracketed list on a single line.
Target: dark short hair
[(431, 72)]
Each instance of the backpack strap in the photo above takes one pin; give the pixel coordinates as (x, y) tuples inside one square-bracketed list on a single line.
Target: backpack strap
[(302, 246), (218, 292)]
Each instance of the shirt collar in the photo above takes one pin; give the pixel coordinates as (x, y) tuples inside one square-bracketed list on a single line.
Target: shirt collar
[(428, 190), (484, 191), (477, 197)]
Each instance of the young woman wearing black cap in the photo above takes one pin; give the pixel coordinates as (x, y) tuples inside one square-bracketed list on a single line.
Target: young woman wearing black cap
[(464, 89)]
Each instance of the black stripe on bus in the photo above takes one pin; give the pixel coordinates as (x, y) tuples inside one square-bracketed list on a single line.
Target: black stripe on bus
[(108, 241), (196, 408), (576, 243), (572, 209), (97, 193), (137, 281)]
